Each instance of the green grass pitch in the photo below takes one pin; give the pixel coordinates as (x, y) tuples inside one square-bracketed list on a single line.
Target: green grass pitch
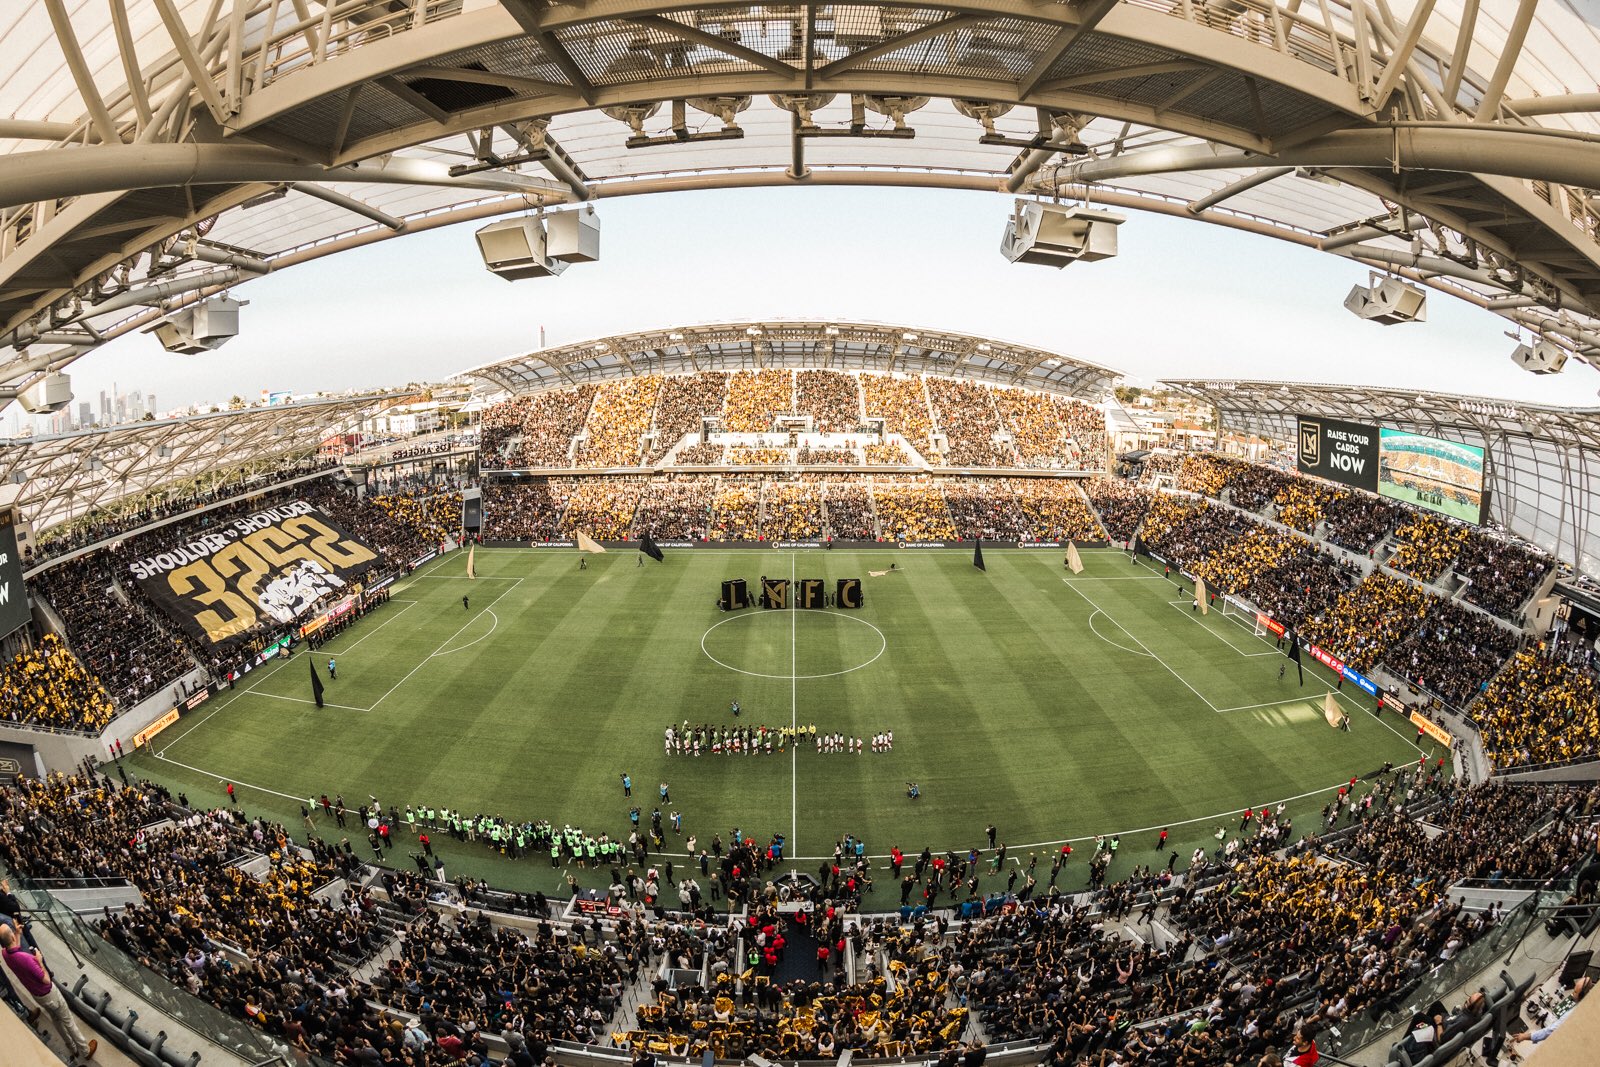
[(1056, 706)]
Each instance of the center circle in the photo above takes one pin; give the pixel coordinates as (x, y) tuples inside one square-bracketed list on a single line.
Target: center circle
[(819, 643)]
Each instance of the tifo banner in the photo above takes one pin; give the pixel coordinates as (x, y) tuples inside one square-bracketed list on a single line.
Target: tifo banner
[(1344, 452), (272, 566)]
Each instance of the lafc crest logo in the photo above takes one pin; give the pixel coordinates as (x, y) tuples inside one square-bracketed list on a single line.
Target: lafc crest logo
[(1310, 444)]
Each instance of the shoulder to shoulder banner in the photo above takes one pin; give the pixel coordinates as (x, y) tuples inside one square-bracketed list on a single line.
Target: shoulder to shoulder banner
[(268, 567)]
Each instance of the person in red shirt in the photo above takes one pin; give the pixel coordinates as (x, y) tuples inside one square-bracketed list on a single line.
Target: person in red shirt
[(822, 959), (1161, 842), (1303, 1053)]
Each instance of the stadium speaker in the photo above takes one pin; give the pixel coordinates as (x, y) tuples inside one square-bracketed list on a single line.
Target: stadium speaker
[(847, 594), (572, 236), (1054, 235), (1388, 301), (205, 327), (50, 393), (1541, 357), (517, 249), (1574, 968)]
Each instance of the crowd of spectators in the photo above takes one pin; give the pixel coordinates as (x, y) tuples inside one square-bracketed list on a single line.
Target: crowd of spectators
[(1234, 566), (1358, 521), (1203, 473), (535, 430), (1539, 710), (683, 402), (1035, 425), (1369, 620), (1299, 503), (1252, 486), (745, 455), (1425, 545), (674, 510), (968, 419), (978, 509), (888, 454), (814, 457), (618, 421), (1306, 583), (754, 397), (1121, 505), (164, 504), (700, 455), (736, 511), (1453, 652), (1503, 574), (791, 511), (832, 399), (1086, 425), (911, 511), (600, 507), (903, 406), (45, 685), (436, 517), (1056, 510), (523, 510), (847, 506)]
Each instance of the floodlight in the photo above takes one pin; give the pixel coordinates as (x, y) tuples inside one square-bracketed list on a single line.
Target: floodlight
[(1388, 301), (50, 393), (1541, 357), (205, 327), (1054, 234), (517, 249)]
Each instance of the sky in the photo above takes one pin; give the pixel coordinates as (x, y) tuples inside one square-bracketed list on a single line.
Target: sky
[(1182, 299)]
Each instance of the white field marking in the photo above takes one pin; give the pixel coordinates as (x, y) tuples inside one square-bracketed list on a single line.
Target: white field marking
[(424, 661), (1184, 606), (303, 700), (492, 627), (1108, 640), (224, 778), (1230, 813), (1310, 700), (883, 646), (464, 578), (1119, 578), (794, 714), (1144, 646), (232, 697), (357, 644)]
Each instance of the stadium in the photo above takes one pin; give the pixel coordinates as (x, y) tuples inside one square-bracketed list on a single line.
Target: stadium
[(918, 672)]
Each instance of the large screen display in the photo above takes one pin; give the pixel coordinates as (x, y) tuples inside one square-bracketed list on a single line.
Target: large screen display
[(1443, 476), (14, 611), (1343, 452)]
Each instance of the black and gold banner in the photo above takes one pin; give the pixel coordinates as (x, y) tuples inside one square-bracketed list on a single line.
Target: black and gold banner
[(269, 567)]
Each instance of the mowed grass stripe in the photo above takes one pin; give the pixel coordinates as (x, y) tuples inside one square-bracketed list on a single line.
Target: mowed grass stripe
[(1005, 706)]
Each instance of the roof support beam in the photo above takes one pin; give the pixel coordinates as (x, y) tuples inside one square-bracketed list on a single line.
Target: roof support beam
[(1401, 56), (528, 19), (32, 130), (93, 102), (698, 36), (1458, 60), (1490, 106), (403, 92), (192, 62), (349, 203), (894, 44), (1232, 189), (1061, 44), (130, 62), (1530, 106)]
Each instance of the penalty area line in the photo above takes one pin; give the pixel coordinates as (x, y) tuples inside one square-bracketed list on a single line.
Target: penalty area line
[(235, 781)]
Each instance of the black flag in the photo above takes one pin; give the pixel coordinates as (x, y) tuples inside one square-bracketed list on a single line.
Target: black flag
[(977, 554), (648, 546), (316, 681), (1294, 656)]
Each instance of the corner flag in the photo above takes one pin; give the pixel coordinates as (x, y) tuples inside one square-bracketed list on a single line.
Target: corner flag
[(977, 554), (648, 546), (316, 681)]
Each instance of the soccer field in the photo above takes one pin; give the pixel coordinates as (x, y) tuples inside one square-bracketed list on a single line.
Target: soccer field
[(1056, 706)]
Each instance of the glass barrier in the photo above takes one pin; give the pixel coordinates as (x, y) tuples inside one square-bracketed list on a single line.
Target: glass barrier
[(1446, 977), (249, 1042)]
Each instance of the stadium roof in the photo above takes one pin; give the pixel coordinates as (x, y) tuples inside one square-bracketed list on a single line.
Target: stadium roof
[(161, 150), (57, 478), (1541, 464), (833, 345)]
